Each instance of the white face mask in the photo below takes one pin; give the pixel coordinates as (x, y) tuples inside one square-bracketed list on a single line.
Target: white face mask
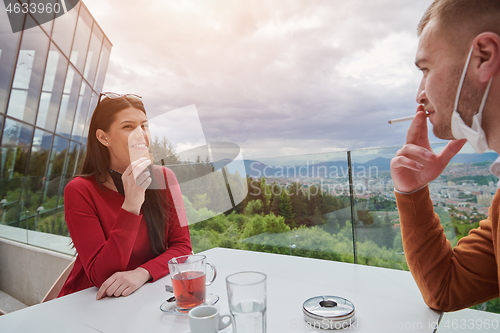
[(474, 134)]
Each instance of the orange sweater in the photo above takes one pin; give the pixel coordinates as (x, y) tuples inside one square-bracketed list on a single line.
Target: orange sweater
[(450, 278)]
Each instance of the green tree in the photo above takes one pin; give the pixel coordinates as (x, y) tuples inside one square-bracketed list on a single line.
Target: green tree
[(254, 207), (163, 152), (201, 201), (285, 208)]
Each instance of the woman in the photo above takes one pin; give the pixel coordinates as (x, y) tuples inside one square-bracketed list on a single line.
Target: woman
[(123, 232)]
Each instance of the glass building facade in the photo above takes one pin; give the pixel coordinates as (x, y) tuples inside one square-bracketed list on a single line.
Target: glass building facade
[(50, 79)]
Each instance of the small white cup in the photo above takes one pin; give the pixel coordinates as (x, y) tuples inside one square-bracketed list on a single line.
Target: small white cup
[(206, 319)]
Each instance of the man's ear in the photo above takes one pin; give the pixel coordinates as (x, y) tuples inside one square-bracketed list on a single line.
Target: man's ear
[(102, 137), (487, 48)]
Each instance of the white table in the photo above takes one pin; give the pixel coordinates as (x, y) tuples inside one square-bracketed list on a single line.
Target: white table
[(386, 300)]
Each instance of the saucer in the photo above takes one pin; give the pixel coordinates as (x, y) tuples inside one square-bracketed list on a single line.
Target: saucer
[(223, 331), (171, 307)]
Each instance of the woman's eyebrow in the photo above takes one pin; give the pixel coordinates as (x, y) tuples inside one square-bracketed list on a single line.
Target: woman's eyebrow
[(133, 122)]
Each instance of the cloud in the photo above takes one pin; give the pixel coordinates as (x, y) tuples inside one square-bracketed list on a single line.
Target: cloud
[(276, 77)]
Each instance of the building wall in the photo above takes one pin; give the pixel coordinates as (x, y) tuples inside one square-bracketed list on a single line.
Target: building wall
[(50, 79)]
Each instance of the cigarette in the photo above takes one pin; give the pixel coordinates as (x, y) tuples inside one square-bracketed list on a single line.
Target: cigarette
[(399, 120)]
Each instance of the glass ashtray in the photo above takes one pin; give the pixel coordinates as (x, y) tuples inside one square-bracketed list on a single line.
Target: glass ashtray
[(171, 307)]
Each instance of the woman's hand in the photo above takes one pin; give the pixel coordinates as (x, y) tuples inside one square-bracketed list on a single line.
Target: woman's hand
[(415, 165), (123, 283), (136, 180)]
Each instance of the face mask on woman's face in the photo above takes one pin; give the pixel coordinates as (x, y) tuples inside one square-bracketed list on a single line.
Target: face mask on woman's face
[(475, 134)]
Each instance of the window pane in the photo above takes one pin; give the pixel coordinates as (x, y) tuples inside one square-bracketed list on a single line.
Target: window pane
[(64, 28), (40, 149), (27, 82), (68, 103), (52, 89), (68, 172), (48, 201), (56, 166), (93, 54), (8, 50), (51, 221), (81, 42), (11, 192), (81, 158), (64, 181), (81, 112), (93, 104), (16, 20), (103, 66), (58, 157), (16, 141), (47, 27), (54, 9), (74, 149), (30, 202), (34, 191), (2, 119)]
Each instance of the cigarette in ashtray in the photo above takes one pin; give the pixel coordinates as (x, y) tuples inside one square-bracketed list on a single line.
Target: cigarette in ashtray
[(399, 120)]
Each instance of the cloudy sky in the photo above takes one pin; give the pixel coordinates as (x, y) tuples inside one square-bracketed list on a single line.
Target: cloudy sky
[(282, 77)]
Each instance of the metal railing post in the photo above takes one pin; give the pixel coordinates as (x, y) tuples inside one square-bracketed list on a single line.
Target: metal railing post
[(351, 195)]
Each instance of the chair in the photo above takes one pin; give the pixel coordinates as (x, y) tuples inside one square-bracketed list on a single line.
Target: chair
[(57, 286)]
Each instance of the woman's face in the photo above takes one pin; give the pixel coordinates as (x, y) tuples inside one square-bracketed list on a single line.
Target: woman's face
[(127, 138)]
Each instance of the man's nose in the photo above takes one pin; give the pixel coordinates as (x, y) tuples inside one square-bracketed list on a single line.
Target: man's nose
[(421, 97)]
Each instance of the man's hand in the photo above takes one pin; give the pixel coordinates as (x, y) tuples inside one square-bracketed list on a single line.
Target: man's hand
[(415, 165), (123, 283)]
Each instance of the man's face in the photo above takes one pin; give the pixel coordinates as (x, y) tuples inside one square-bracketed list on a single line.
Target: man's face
[(442, 67)]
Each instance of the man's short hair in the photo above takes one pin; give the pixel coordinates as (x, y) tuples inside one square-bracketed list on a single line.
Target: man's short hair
[(463, 19)]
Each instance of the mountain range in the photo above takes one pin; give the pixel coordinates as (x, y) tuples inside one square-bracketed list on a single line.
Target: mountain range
[(339, 169)]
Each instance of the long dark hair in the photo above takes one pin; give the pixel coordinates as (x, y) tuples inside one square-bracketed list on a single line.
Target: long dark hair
[(97, 162)]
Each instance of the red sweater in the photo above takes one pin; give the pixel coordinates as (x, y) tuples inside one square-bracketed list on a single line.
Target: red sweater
[(109, 239)]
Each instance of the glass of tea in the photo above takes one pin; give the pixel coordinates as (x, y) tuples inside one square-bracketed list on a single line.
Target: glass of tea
[(189, 280)]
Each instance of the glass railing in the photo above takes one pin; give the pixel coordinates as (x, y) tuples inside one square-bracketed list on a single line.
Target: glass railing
[(335, 206)]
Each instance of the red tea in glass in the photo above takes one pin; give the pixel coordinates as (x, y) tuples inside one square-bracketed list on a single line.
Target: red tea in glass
[(189, 289), (189, 280)]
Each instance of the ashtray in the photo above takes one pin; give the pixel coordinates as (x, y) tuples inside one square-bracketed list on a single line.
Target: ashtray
[(328, 312)]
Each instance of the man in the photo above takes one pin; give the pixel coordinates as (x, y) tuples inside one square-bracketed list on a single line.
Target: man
[(459, 56)]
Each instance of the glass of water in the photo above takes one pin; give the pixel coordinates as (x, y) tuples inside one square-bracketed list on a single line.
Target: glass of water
[(247, 296)]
